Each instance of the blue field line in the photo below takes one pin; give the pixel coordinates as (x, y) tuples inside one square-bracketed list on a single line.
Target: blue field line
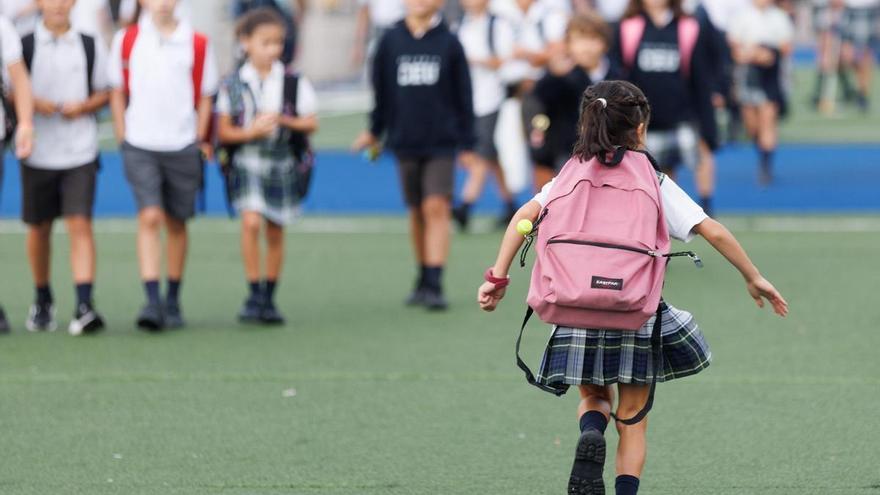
[(810, 179)]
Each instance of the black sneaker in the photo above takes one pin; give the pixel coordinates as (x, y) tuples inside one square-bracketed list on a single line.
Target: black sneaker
[(462, 217), (251, 310), (4, 323), (270, 315), (173, 315), (416, 297), (434, 300), (41, 318), (150, 318), (589, 462), (85, 321)]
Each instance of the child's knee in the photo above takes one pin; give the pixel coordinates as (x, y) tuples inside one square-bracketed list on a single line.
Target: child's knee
[(250, 225), (435, 207), (596, 392), (274, 234), (150, 218)]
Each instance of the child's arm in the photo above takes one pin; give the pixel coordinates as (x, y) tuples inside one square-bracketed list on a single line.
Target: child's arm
[(117, 110), (204, 113), (725, 243), (24, 109), (306, 124), (488, 295), (228, 133), (94, 103)]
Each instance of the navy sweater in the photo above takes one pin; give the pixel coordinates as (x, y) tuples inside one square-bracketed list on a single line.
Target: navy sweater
[(674, 98), (422, 89)]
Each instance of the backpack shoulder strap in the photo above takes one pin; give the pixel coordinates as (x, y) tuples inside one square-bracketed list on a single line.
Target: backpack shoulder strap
[(28, 45), (631, 32), (89, 47), (128, 40), (688, 33), (200, 53), (291, 90), (492, 21)]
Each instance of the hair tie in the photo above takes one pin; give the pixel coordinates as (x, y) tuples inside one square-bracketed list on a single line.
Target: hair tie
[(603, 101)]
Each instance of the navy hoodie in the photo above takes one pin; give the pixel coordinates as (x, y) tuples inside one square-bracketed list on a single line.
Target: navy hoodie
[(423, 97)]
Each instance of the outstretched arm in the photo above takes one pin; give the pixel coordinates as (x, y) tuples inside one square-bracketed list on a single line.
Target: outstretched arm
[(725, 243), (488, 295)]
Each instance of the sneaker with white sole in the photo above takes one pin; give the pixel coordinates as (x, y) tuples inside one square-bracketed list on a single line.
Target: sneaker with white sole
[(41, 318), (85, 321)]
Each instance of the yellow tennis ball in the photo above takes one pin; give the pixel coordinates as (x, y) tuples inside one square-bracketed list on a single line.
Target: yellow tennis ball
[(524, 226)]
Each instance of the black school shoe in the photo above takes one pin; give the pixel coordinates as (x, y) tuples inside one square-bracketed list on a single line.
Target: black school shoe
[(4, 323), (269, 314), (150, 318), (462, 217), (41, 318), (86, 321), (589, 462), (173, 315), (416, 297), (434, 300), (251, 310)]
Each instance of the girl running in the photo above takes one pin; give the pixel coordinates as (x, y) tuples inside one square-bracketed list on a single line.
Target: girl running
[(615, 116), (265, 116), (761, 37)]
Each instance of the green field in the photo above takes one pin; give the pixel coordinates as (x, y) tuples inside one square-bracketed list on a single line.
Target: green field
[(358, 395)]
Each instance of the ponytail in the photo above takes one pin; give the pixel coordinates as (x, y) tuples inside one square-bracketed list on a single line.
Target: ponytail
[(611, 113)]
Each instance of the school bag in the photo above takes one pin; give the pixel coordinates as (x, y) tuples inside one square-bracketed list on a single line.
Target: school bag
[(602, 247), (300, 146), (633, 29)]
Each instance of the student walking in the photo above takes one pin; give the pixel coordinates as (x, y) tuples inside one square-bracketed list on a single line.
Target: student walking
[(14, 76), (266, 115), (163, 77), (761, 37), (603, 227), (424, 108), (68, 74)]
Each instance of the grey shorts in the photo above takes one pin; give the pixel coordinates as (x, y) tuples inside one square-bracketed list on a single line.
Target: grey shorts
[(48, 194), (168, 179), (485, 127), (421, 177), (860, 26)]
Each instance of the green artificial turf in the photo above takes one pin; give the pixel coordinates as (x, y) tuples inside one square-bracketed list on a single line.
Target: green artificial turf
[(359, 395)]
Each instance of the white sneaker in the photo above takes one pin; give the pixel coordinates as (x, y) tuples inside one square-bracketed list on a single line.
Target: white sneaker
[(85, 321), (41, 318)]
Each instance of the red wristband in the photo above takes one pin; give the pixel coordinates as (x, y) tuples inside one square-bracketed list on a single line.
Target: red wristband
[(500, 283)]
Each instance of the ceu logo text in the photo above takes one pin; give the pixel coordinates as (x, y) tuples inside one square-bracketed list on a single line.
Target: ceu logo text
[(418, 70), (659, 59)]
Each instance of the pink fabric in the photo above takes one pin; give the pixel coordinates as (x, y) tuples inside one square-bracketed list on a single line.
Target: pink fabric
[(633, 29), (586, 286)]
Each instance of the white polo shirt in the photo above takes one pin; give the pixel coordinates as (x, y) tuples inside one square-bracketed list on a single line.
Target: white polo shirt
[(384, 13), (488, 87), (58, 74), (268, 94), (10, 53), (769, 26), (533, 30), (161, 115), (23, 24)]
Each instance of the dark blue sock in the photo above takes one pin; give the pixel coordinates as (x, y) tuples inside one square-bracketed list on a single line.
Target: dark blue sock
[(423, 270), (594, 420), (270, 288), (433, 275), (626, 485), (44, 294), (766, 160), (256, 288), (151, 288), (83, 294), (173, 289)]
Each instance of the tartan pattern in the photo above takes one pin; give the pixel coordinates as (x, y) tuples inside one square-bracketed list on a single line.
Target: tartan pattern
[(862, 26), (675, 147), (576, 356)]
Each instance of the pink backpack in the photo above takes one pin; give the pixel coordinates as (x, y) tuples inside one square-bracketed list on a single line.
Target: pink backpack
[(602, 249), (633, 28)]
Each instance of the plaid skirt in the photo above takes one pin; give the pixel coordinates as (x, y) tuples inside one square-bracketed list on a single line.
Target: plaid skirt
[(263, 180), (577, 356), (675, 147)]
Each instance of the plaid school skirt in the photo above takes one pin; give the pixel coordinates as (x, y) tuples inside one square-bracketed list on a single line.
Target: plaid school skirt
[(577, 356)]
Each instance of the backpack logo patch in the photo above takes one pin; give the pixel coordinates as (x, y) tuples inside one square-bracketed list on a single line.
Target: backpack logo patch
[(607, 283)]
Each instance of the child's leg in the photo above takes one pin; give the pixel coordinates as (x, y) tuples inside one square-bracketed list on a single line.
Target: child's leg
[(589, 457), (633, 447), (251, 223), (149, 249), (750, 121), (767, 137), (82, 255), (705, 177), (478, 169), (417, 234), (436, 214), (274, 254), (39, 249), (595, 398), (178, 242)]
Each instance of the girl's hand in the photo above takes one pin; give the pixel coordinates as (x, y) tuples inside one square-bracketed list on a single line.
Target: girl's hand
[(761, 289), (488, 296), (24, 141), (71, 110), (365, 140), (264, 125)]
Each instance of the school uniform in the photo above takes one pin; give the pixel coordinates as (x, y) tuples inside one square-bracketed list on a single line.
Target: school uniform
[(423, 106), (58, 179), (577, 356), (162, 159), (860, 23), (561, 98), (484, 37), (262, 176), (10, 53), (769, 28), (533, 30), (681, 105)]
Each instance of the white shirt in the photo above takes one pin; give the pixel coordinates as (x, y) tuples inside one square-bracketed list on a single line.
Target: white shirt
[(384, 13), (533, 30), (58, 74), (611, 10), (11, 8), (488, 87), (681, 212), (768, 27), (161, 115), (10, 53), (721, 12), (862, 4), (268, 94), (89, 16)]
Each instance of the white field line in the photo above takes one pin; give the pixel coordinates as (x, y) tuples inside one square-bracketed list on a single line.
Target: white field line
[(398, 225)]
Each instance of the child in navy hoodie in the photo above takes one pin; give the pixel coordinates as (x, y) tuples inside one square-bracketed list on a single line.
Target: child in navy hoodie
[(424, 110)]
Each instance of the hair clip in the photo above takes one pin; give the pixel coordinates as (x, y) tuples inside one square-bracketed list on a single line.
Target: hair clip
[(603, 101)]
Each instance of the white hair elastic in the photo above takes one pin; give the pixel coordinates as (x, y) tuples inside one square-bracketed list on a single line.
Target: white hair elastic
[(603, 101)]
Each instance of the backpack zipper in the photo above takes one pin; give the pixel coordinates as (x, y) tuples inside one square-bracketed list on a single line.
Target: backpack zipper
[(606, 245)]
